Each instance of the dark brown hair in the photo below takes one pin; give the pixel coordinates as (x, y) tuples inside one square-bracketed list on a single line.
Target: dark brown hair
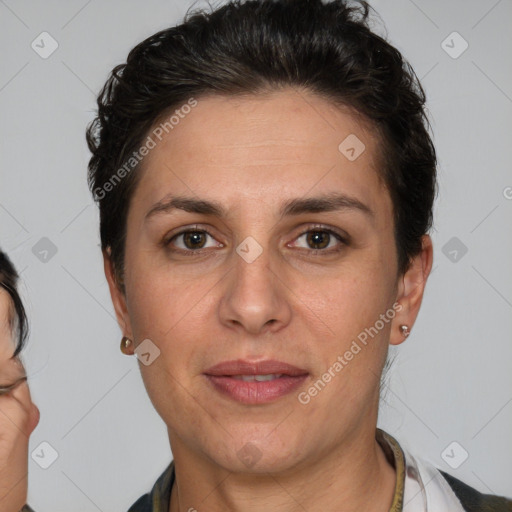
[(247, 47), (17, 316)]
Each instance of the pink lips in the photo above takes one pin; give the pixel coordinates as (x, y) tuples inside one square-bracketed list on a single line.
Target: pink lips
[(222, 377)]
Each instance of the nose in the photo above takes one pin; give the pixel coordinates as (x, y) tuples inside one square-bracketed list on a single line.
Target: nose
[(255, 297)]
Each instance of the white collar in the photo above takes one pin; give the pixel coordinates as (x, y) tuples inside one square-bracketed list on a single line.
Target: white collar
[(425, 488)]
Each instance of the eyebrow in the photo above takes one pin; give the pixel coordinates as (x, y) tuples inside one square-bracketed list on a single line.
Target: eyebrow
[(324, 203)]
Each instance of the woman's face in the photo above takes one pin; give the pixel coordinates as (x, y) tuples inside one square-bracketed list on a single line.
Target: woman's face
[(259, 281)]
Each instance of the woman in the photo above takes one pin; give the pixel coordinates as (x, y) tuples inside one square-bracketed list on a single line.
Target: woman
[(18, 415), (265, 179)]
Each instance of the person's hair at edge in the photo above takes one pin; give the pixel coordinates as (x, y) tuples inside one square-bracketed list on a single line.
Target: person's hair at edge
[(17, 316), (255, 47)]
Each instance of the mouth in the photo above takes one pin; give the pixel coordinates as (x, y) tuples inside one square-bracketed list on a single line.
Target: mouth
[(257, 378), (254, 383)]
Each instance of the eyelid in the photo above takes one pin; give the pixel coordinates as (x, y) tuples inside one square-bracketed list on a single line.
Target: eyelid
[(341, 235), (324, 227), (182, 231)]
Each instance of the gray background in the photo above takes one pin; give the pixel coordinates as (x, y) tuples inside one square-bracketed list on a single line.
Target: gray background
[(452, 379)]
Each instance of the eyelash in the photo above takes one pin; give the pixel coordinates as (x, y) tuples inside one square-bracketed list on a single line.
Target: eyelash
[(191, 252)]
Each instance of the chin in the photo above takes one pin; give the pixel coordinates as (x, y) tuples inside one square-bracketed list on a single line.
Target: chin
[(256, 454)]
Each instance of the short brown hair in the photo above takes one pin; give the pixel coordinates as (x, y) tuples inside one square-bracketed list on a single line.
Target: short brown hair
[(250, 47), (17, 316)]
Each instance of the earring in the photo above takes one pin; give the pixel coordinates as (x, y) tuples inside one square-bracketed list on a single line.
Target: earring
[(125, 344), (405, 330)]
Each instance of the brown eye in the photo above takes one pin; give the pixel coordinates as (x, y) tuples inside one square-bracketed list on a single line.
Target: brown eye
[(194, 239), (191, 241), (321, 241)]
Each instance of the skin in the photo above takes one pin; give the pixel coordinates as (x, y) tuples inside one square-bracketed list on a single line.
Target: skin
[(252, 154), (18, 419)]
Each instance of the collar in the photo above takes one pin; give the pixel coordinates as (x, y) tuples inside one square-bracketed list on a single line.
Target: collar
[(396, 458), (160, 495)]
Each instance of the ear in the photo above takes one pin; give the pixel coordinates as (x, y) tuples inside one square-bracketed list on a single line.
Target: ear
[(411, 286), (117, 296)]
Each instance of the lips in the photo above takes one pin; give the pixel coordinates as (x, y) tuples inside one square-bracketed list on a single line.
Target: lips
[(243, 367), (255, 383)]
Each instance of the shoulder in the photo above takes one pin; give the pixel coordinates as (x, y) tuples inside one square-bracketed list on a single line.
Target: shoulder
[(475, 501), (446, 491), (143, 504), (157, 500)]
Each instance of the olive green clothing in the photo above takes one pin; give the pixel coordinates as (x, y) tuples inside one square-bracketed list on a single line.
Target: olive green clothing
[(470, 499), (411, 474)]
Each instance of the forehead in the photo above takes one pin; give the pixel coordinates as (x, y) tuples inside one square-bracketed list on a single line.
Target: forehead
[(5, 325), (5, 305), (286, 120), (287, 142)]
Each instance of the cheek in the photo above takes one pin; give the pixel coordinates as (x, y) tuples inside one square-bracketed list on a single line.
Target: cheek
[(351, 299), (156, 298), (176, 314), (161, 312), (350, 343), (351, 338)]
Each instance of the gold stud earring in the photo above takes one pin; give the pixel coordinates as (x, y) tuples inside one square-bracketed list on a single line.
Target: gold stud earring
[(405, 330), (125, 344)]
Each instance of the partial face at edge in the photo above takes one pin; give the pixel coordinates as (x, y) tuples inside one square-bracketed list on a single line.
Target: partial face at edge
[(10, 369)]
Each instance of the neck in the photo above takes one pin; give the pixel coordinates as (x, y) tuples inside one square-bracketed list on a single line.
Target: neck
[(354, 476)]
